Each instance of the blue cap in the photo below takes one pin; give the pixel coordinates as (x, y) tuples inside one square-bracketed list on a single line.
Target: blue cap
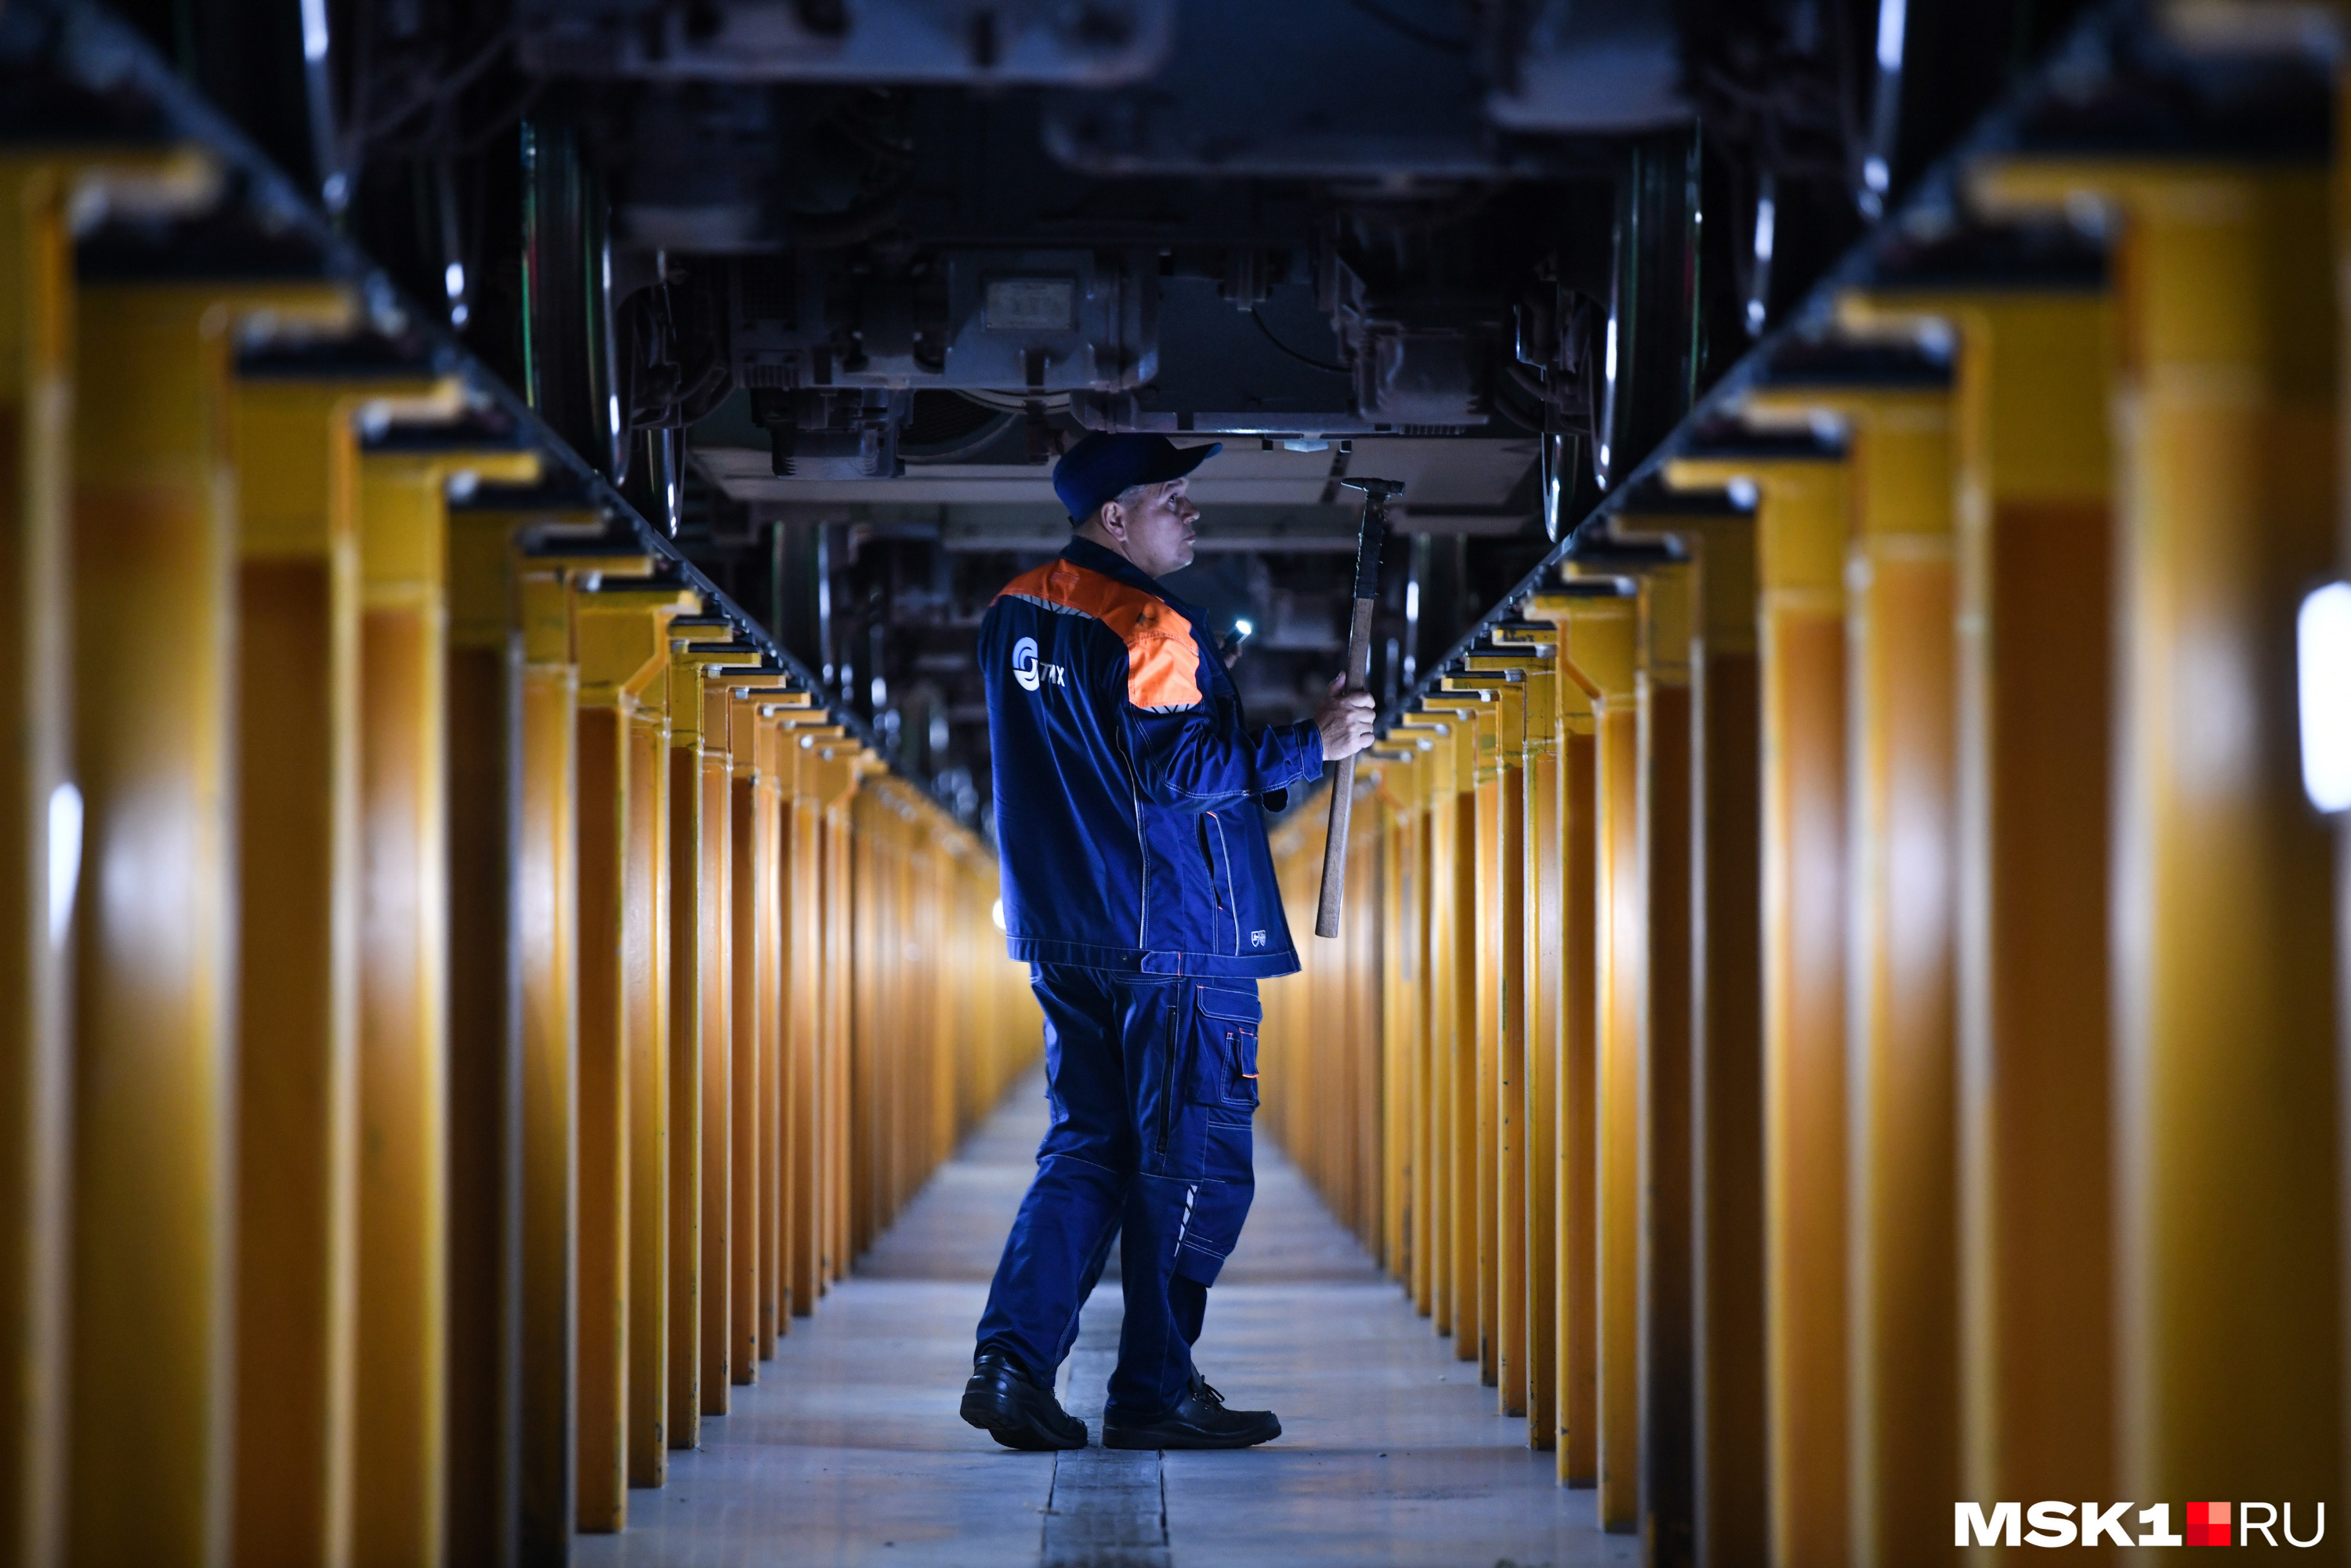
[(1100, 467)]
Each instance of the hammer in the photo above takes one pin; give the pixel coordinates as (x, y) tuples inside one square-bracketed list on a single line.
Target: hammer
[(1368, 540)]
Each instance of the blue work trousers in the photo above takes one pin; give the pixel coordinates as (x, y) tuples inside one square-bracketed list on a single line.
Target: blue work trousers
[(1152, 1082)]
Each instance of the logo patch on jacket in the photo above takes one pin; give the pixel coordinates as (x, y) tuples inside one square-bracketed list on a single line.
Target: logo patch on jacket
[(1029, 671), (1163, 660)]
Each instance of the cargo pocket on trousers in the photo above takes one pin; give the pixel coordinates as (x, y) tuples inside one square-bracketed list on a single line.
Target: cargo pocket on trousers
[(1216, 1208), (1224, 1062)]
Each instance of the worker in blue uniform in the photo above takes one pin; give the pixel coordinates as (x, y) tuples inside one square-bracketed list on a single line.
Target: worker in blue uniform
[(1137, 884)]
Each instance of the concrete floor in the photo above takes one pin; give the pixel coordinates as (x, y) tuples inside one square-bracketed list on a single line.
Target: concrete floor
[(849, 1450)]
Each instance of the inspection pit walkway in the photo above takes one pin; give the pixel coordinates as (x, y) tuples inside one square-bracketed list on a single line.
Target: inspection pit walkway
[(849, 1451)]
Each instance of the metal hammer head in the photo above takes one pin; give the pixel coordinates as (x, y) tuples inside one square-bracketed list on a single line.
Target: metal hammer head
[(1375, 487)]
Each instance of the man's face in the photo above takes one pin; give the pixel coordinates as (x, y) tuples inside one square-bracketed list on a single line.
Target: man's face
[(1157, 534)]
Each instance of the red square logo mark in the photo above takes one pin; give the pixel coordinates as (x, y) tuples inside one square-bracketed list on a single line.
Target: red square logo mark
[(2207, 1524)]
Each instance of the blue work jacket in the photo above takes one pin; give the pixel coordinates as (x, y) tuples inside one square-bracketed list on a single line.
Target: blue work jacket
[(1127, 820)]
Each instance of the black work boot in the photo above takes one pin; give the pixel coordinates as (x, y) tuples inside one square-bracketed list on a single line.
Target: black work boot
[(1001, 1401), (1199, 1420)]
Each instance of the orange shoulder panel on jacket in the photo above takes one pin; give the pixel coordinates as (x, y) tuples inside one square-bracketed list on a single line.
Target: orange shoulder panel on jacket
[(1163, 661)]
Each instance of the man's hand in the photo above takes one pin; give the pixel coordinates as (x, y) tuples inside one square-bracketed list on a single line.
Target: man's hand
[(1345, 720)]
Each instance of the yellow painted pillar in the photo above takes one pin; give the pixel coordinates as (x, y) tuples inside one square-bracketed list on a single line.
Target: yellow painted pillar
[(1570, 956), (746, 904), (301, 940), (1419, 877), (1636, 656), (1801, 528), (2223, 408), (862, 891), (37, 798), (777, 767), (482, 673), (743, 1021), (549, 574), (716, 948), (1399, 792), (699, 648), (804, 988), (1402, 1090), (851, 764), (1484, 952), (1544, 971), (1463, 908), (1902, 1189), (1726, 1023), (546, 953), (1668, 1178), (2032, 521), (621, 631), (683, 1131), (775, 1239), (1507, 919), (404, 1068), (1451, 889), (153, 546), (1432, 1184), (1600, 645), (646, 975), (40, 823)]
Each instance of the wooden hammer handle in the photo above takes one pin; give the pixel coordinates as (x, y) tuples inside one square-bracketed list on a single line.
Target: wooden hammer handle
[(1343, 782)]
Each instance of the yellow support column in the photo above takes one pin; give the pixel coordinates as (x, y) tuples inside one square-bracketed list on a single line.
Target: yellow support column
[(775, 1319), (777, 769), (775, 740), (1801, 485), (846, 767), (39, 801), (2225, 991), (1668, 1177), (645, 933), (1464, 908), (805, 1174), (743, 1022), (301, 1221), (716, 948), (482, 664), (297, 614), (152, 1245), (748, 894), (621, 630), (405, 1199), (1484, 953), (1544, 973), (1569, 957), (684, 1135), (1451, 894), (698, 979), (2034, 337), (1600, 646), (1433, 757), (1507, 918), (1642, 963), (1398, 795), (1726, 1023), (546, 955), (1902, 1184), (1432, 1131)]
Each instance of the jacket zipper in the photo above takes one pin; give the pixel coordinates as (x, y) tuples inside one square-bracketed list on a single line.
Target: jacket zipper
[(1230, 898)]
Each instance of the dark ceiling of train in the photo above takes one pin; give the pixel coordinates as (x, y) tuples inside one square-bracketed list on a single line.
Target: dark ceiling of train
[(827, 284)]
